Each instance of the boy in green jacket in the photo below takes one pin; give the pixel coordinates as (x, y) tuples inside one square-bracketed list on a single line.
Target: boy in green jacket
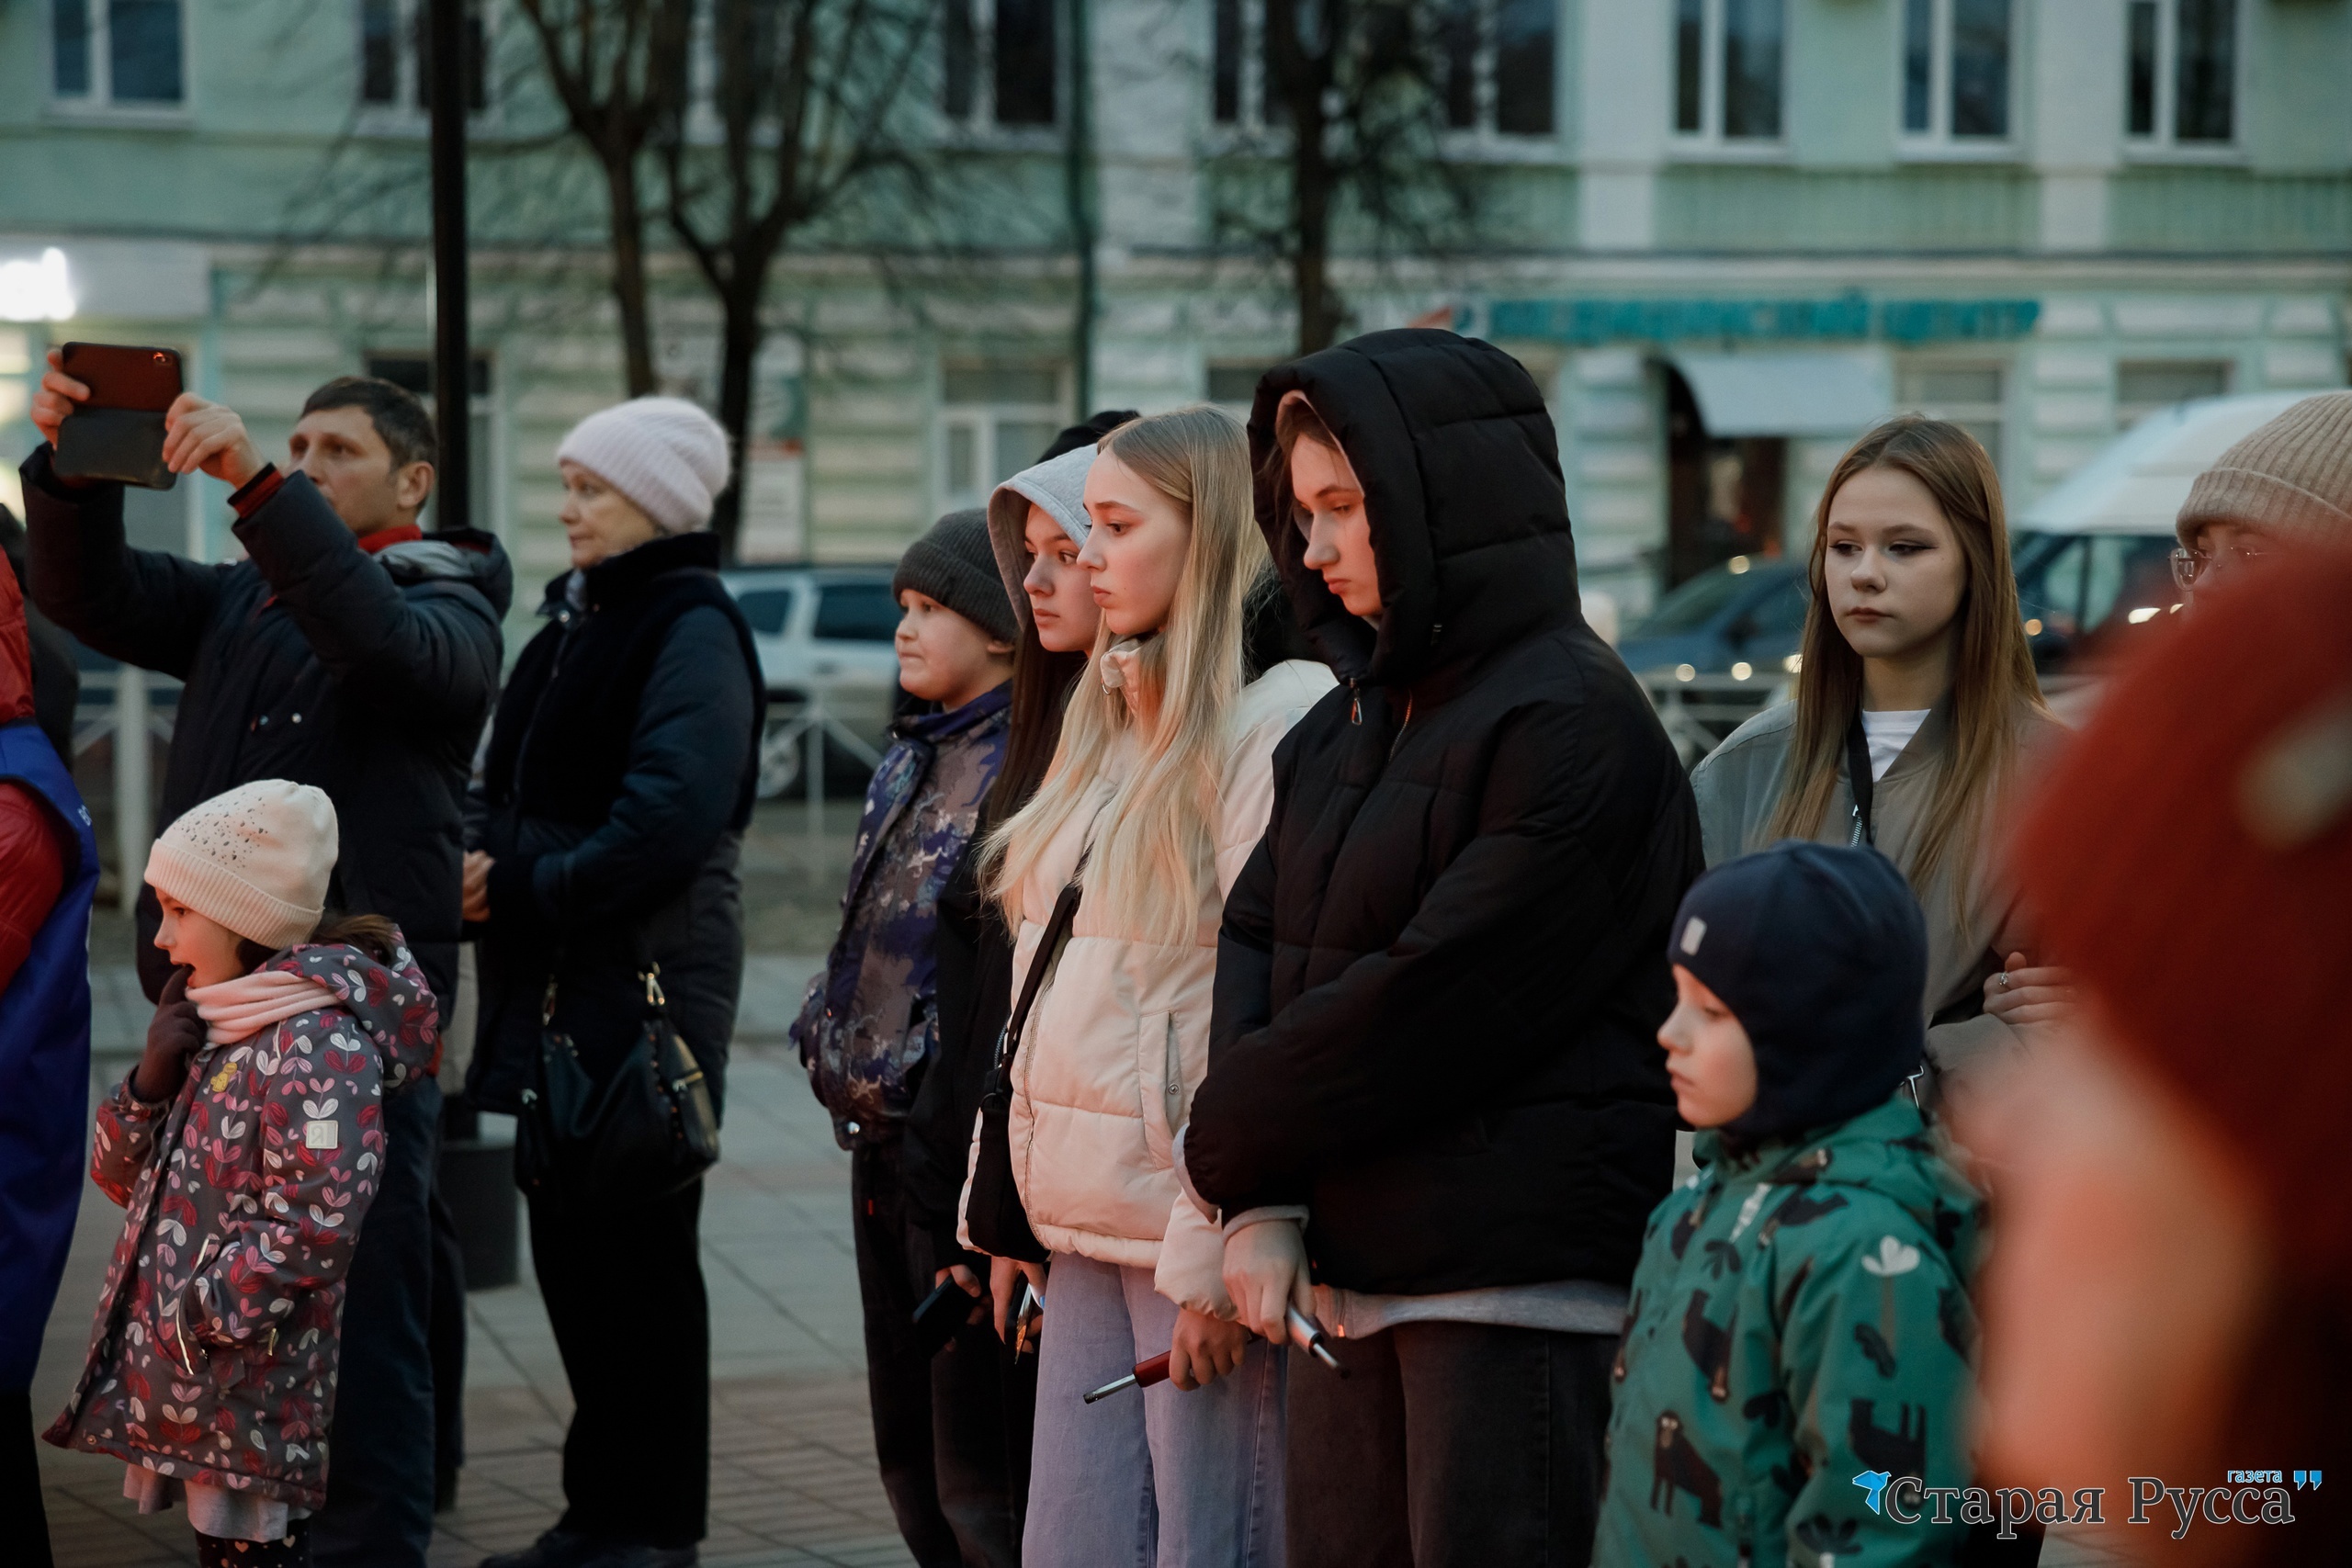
[(1795, 1368)]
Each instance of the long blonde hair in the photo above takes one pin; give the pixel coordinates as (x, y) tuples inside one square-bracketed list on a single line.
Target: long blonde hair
[(1992, 678), (1155, 859)]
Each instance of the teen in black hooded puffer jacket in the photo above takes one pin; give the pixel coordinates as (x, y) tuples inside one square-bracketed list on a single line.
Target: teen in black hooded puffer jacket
[(1432, 1063)]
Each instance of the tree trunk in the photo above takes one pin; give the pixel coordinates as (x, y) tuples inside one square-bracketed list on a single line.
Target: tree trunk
[(738, 351), (1301, 76), (628, 271)]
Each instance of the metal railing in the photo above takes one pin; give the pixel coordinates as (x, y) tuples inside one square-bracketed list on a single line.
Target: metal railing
[(1699, 710), (795, 741), (119, 704)]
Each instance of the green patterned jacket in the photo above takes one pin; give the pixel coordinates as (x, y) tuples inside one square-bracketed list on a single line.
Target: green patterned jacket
[(1800, 1319)]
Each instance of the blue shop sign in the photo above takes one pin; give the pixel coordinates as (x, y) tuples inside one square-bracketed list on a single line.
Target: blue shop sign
[(1846, 316)]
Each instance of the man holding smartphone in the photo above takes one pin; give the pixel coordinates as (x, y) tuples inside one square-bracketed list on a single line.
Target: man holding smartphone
[(352, 652)]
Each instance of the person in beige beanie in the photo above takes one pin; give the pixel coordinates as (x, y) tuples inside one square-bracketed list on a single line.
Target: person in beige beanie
[(2288, 484), (254, 860)]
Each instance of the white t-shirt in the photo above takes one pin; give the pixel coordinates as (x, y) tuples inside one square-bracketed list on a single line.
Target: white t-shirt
[(1887, 734)]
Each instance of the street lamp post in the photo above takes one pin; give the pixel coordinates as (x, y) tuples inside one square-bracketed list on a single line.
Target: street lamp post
[(452, 362)]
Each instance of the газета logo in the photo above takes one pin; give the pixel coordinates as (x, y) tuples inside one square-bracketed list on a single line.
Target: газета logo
[(1872, 1482)]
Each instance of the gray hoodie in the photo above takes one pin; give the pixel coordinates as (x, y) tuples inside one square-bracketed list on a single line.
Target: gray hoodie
[(1057, 484)]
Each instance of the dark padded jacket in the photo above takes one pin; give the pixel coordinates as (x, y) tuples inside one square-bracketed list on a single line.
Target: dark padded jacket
[(1440, 974), (368, 676), (619, 781)]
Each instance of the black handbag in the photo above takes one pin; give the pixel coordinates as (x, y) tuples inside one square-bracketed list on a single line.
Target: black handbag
[(992, 1211), (647, 1132)]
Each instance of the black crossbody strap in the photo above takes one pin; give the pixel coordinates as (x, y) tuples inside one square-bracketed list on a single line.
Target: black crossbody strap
[(1041, 962), (1857, 776)]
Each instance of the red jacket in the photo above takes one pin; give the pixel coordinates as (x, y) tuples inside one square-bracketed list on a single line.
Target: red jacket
[(33, 864)]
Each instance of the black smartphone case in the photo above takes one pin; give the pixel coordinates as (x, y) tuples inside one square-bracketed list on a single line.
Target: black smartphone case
[(122, 444), (941, 1315)]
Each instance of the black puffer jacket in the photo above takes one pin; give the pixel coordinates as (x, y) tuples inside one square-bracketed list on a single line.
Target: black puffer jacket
[(618, 781), (367, 676), (1440, 974)]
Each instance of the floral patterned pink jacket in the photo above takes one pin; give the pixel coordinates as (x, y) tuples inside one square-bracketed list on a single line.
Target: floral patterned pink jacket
[(217, 1339)]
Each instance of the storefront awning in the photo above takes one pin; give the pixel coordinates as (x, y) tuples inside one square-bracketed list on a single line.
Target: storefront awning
[(1787, 394)]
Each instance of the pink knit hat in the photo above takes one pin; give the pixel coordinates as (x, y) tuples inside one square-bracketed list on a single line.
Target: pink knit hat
[(255, 860)]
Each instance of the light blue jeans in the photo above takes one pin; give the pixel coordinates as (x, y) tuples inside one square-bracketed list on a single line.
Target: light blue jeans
[(1160, 1479)]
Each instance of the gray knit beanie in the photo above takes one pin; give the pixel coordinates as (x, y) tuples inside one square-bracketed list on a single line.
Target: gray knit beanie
[(664, 454), (2291, 478), (952, 564), (1058, 485)]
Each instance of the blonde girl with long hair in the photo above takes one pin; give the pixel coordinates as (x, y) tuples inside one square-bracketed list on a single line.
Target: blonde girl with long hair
[(1157, 793), (1914, 675)]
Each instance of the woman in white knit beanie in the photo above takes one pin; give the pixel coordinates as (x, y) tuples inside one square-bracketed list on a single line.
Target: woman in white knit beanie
[(636, 471)]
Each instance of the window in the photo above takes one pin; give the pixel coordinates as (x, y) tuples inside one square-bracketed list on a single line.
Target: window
[(2143, 386), (1235, 386), (1968, 395), (767, 611), (123, 53), (394, 52), (1496, 64), (1013, 80), (997, 417), (1956, 69), (2180, 71), (415, 372), (856, 612), (1727, 76)]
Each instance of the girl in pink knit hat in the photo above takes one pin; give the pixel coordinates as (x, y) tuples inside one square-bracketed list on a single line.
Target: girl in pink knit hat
[(245, 1146)]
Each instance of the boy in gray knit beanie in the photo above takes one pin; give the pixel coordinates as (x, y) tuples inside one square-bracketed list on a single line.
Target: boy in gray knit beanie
[(955, 640), (2286, 485)]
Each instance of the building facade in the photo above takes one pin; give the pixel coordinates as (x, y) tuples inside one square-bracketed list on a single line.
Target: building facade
[(1723, 234)]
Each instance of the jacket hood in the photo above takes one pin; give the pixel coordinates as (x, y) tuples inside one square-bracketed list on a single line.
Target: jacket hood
[(1889, 1150), (458, 555), (1461, 470), (1057, 484), (16, 650), (392, 1003)]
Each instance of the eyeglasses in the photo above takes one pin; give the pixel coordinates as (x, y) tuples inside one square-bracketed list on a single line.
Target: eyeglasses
[(2190, 567)]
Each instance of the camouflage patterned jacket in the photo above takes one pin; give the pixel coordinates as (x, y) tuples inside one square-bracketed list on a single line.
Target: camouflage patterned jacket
[(870, 1022), (218, 1334), (1800, 1319)]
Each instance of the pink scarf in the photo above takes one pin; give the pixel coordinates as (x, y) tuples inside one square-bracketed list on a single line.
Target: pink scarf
[(246, 1006)]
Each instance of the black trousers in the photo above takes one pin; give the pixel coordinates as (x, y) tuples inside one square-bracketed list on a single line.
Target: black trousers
[(379, 1476), (951, 1432), (624, 1294), (1448, 1445)]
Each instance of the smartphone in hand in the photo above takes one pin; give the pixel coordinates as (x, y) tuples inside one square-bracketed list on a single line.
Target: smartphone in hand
[(119, 433)]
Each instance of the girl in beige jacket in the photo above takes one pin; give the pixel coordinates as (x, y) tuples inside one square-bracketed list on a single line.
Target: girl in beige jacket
[(1158, 794)]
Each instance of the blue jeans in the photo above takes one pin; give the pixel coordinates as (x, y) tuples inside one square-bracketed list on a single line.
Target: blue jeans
[(1162, 1479), (380, 1471)]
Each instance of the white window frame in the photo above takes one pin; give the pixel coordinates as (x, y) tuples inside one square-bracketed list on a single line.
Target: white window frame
[(403, 115), (1910, 369), (1938, 142), (981, 420), (2162, 144), (1709, 141), (99, 101)]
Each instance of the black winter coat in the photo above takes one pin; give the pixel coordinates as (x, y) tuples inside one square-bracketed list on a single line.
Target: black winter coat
[(973, 988), (1440, 974), (619, 778), (367, 676)]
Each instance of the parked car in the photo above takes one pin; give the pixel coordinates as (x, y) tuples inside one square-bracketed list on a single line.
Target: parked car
[(1743, 618), (2093, 556), (824, 638)]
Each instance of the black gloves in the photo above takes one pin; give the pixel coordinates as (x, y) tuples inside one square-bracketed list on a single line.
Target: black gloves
[(176, 1033)]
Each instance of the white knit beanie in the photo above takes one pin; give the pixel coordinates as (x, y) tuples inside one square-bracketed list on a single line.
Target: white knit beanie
[(255, 860), (664, 454)]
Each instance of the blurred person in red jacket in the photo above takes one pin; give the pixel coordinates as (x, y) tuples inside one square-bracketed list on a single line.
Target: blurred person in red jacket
[(2167, 1297), (48, 866)]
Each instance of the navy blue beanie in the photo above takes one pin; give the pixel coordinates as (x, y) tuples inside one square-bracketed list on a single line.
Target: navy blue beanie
[(1821, 953)]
